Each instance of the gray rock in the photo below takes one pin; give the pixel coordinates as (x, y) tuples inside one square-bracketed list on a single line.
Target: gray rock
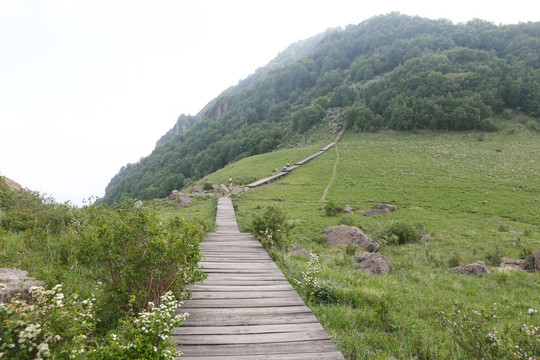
[(347, 210), (223, 189), (344, 234), (374, 263), (197, 189), (299, 251), (375, 212), (175, 194), (182, 200), (424, 238), (476, 268), (389, 207), (511, 263), (532, 262), (138, 204), (16, 282)]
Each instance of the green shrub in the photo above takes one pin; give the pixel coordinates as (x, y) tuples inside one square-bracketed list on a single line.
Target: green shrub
[(351, 249), (272, 228), (494, 258), (136, 257), (349, 220), (332, 209), (454, 261), (401, 233)]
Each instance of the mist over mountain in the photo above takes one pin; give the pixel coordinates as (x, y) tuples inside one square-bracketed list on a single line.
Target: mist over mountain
[(388, 72)]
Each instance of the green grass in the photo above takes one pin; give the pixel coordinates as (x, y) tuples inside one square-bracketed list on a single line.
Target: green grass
[(257, 167), (468, 190)]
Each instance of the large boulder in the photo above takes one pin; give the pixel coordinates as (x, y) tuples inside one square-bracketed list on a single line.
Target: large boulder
[(15, 282), (223, 189), (344, 234), (381, 209), (175, 194), (532, 262), (197, 189), (374, 263), (180, 199), (471, 269)]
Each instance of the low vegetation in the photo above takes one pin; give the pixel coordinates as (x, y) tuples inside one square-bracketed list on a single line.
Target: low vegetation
[(113, 274)]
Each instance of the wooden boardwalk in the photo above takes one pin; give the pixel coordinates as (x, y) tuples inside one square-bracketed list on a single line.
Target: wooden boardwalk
[(246, 309), (270, 178)]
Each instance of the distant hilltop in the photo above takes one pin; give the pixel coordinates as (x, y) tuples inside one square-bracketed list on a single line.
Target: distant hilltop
[(12, 184)]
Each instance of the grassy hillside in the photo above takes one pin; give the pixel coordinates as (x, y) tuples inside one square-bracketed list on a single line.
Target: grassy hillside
[(388, 72), (475, 194)]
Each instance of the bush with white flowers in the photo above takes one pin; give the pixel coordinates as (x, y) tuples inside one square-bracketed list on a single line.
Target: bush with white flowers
[(55, 326), (479, 336), (148, 336)]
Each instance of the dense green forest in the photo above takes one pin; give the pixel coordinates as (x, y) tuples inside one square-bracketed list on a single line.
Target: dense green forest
[(388, 72)]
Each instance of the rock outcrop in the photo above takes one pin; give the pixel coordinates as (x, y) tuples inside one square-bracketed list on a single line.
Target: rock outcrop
[(180, 199), (374, 263), (471, 269), (15, 282), (12, 184), (381, 209), (532, 262), (344, 234)]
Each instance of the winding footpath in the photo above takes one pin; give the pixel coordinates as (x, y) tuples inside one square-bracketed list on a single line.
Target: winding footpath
[(246, 309), (323, 198)]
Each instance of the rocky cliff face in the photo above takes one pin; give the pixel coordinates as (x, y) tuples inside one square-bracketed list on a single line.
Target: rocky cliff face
[(12, 184)]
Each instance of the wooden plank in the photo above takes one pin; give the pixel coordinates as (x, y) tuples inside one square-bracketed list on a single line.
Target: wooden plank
[(285, 294), (224, 339), (246, 311), (260, 277), (217, 270), (335, 355), (244, 320), (241, 303), (239, 265), (290, 347), (239, 287), (254, 329)]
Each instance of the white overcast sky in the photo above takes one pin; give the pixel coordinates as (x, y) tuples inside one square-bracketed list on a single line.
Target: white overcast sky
[(89, 86)]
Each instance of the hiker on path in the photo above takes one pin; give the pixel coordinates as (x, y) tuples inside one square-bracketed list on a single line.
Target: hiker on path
[(287, 163), (230, 180)]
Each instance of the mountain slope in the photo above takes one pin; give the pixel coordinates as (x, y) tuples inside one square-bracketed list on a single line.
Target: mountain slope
[(390, 71)]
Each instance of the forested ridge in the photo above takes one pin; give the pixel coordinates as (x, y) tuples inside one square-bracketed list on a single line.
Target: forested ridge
[(388, 72)]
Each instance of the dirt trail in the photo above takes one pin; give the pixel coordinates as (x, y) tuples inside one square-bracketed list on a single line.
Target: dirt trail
[(333, 176)]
